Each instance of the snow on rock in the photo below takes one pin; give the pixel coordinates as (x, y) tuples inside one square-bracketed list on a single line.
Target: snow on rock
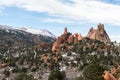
[(40, 31), (30, 30)]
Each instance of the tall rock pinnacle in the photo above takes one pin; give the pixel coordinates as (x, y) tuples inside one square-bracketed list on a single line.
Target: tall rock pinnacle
[(65, 30), (65, 38)]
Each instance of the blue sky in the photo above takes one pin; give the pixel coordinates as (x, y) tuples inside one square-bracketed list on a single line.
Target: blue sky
[(77, 15)]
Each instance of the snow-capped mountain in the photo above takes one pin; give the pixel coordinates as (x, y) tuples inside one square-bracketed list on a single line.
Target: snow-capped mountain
[(40, 31), (5, 27), (11, 37), (29, 30)]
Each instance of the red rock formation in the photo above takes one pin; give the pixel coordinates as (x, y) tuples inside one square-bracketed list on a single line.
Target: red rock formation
[(3, 65), (66, 38), (65, 30), (108, 76), (99, 34), (80, 37), (45, 58), (77, 37), (74, 38), (60, 41), (71, 39)]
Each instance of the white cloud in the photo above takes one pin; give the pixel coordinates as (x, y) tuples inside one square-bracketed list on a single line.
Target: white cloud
[(57, 20), (93, 11), (115, 38)]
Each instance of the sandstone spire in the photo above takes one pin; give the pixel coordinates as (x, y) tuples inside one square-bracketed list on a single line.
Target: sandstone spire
[(100, 27), (65, 30), (66, 38)]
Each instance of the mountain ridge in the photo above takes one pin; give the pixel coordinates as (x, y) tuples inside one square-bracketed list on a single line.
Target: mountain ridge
[(11, 37), (43, 32)]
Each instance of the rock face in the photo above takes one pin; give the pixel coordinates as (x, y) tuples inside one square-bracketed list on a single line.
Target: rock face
[(60, 41), (66, 37), (108, 76), (65, 30), (74, 38), (99, 34)]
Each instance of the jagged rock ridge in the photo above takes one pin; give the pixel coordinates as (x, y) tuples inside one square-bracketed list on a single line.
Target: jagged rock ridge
[(66, 37), (99, 34), (10, 37)]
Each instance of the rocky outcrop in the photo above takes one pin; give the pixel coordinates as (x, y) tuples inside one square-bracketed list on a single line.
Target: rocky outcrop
[(99, 34), (60, 41), (108, 76), (74, 38), (65, 30), (66, 37), (3, 65)]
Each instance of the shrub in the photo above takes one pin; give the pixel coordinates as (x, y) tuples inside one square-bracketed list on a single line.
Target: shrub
[(23, 76), (57, 75), (93, 72)]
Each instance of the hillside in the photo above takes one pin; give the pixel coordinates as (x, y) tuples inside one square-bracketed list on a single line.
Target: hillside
[(71, 56), (11, 37)]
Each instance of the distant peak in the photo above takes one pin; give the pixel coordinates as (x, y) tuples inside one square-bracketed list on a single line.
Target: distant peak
[(29, 30), (5, 27), (38, 31)]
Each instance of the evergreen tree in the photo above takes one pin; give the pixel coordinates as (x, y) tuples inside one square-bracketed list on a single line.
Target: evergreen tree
[(93, 72), (57, 75)]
